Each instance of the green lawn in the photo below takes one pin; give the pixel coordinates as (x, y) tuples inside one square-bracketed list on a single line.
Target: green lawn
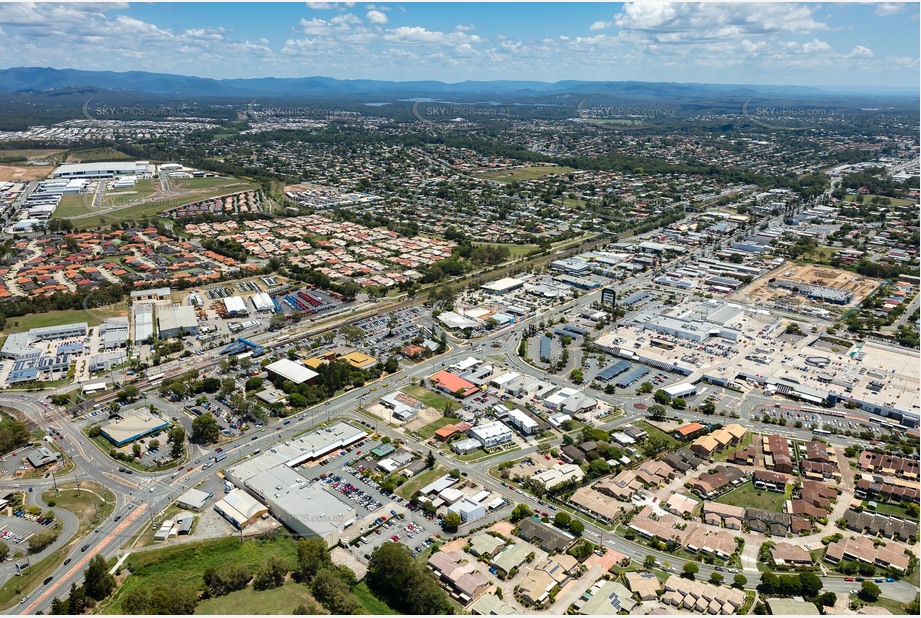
[(55, 318), (655, 431), (429, 430), (249, 602), (514, 251), (184, 564), (370, 603), (74, 205), (29, 153), (747, 495), (896, 201), (407, 489), (530, 172), (432, 400), (896, 510), (894, 607), (92, 504)]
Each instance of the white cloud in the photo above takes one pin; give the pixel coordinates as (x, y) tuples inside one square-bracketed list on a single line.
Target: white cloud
[(376, 17), (329, 6), (861, 51), (601, 25), (890, 8)]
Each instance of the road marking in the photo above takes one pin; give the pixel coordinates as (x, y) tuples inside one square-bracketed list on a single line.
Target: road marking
[(121, 480), (83, 561)]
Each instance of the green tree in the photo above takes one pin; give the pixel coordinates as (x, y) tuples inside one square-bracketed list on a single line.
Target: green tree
[(649, 562), (810, 584), (520, 512), (598, 467), (97, 581), (689, 570), (4, 551), (58, 607), (205, 430), (869, 592), (177, 441), (661, 397), (657, 412), (739, 581), (430, 460), (271, 574), (645, 388), (562, 519), (76, 601), (333, 593), (311, 557), (452, 521), (716, 578), (576, 527)]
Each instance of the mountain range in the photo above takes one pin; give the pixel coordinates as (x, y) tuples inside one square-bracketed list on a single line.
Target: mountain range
[(43, 79)]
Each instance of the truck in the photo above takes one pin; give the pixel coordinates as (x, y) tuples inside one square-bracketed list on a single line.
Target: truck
[(220, 456), (228, 487)]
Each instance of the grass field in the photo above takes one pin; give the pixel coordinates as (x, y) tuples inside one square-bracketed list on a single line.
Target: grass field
[(97, 154), (407, 489), (81, 503), (896, 510), (530, 172), (894, 607), (896, 201), (370, 603), (655, 431), (184, 564), (514, 251), (432, 400), (54, 318), (281, 600), (747, 495), (429, 430), (74, 206)]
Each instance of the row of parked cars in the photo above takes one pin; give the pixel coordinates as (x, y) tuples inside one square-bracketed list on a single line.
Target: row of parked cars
[(9, 537), (36, 518), (352, 493)]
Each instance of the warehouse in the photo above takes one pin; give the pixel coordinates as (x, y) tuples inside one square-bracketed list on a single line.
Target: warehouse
[(114, 333), (143, 322), (176, 321), (193, 499), (503, 286), (154, 294), (131, 428), (289, 370), (262, 302), (240, 508), (235, 307), (102, 169)]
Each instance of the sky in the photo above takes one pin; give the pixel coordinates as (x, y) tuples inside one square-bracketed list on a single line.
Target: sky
[(812, 44)]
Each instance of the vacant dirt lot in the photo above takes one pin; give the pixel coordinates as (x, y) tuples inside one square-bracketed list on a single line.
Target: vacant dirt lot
[(761, 292), (14, 173)]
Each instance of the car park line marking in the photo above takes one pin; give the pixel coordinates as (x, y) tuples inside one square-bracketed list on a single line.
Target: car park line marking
[(85, 559)]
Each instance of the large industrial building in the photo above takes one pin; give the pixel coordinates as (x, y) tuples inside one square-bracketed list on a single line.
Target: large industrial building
[(18, 345), (103, 169), (271, 478), (176, 320)]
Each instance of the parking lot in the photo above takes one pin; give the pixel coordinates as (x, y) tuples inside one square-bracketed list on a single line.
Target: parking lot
[(378, 514), (396, 329), (16, 530)]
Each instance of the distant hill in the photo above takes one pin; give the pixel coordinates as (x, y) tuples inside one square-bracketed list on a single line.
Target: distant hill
[(39, 79)]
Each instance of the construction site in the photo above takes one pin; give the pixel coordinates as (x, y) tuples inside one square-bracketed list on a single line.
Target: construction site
[(809, 284)]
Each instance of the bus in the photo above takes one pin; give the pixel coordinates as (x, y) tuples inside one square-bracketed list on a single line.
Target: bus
[(220, 456), (821, 432)]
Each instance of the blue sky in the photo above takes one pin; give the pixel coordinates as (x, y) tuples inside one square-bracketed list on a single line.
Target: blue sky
[(831, 44)]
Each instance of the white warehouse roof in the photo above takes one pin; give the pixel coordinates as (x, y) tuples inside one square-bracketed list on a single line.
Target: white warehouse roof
[(235, 304), (262, 302), (290, 370)]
